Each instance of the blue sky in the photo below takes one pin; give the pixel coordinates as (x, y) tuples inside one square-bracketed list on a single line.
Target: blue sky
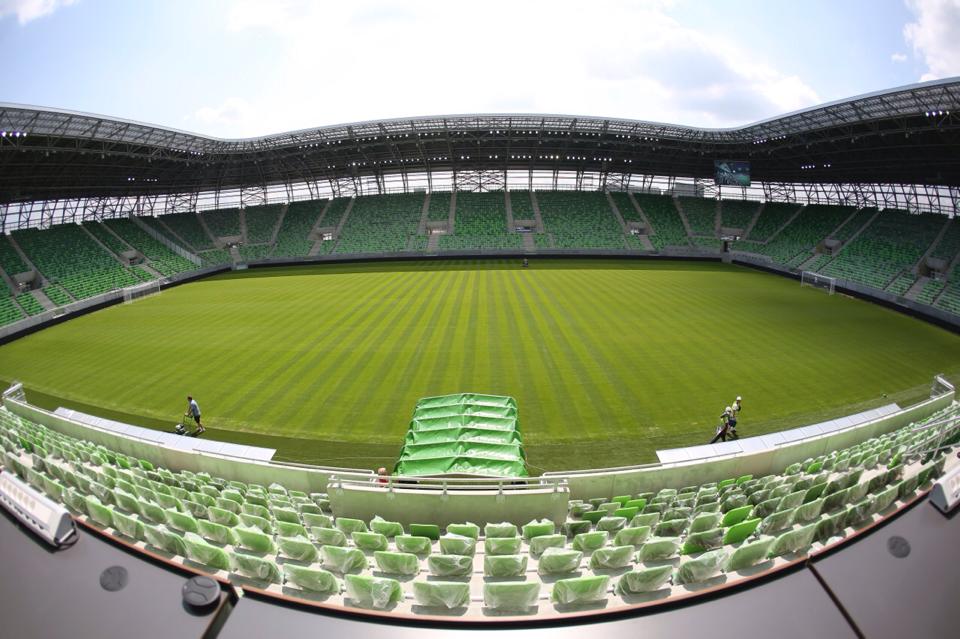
[(236, 69)]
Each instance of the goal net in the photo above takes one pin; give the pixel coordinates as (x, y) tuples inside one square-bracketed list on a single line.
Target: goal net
[(139, 291), (808, 278)]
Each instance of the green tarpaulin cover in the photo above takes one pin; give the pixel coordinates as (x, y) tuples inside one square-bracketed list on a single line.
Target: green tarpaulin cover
[(463, 434)]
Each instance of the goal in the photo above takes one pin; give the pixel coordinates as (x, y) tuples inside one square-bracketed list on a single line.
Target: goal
[(809, 278), (139, 291)]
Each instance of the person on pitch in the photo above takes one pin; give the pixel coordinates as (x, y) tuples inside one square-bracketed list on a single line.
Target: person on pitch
[(193, 410), (724, 427), (734, 414)]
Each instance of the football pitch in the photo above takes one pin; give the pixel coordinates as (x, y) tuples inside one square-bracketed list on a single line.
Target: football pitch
[(609, 360)]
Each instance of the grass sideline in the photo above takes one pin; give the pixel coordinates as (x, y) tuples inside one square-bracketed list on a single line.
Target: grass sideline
[(609, 359)]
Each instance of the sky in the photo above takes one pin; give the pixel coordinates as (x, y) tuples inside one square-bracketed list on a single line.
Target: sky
[(244, 68)]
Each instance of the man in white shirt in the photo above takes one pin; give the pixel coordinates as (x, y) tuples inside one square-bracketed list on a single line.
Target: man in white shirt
[(193, 410)]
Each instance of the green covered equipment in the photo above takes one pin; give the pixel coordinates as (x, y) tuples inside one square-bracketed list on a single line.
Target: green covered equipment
[(442, 594), (373, 592), (463, 434)]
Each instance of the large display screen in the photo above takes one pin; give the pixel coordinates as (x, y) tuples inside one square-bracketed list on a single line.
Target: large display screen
[(732, 172)]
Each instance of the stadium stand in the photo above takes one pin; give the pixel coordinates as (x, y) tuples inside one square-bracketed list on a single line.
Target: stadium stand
[(222, 222), (481, 223), (949, 299), (949, 245), (187, 227), (108, 239), (737, 214), (29, 304), (771, 219), (668, 229), (522, 205), (627, 210), (439, 209), (893, 242), (9, 311), (10, 260), (292, 238), (793, 245), (161, 258), (65, 254), (611, 549), (215, 256), (579, 219), (701, 214), (381, 223), (57, 295), (853, 224), (261, 222)]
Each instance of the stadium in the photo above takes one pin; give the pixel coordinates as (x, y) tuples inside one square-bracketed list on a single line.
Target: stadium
[(529, 322)]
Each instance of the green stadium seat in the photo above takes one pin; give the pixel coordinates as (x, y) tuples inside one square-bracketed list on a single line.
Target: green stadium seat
[(425, 530), (503, 566), (256, 567), (580, 590), (538, 528), (255, 540), (502, 545), (512, 597), (397, 563), (299, 548), (442, 594), (370, 541), (450, 565), (612, 557), (372, 592), (159, 536), (633, 536), (793, 541), (644, 580), (343, 560), (702, 568), (413, 544), (313, 579), (657, 548), (389, 529), (217, 533), (741, 531), (749, 554), (558, 561), (204, 553), (500, 530)]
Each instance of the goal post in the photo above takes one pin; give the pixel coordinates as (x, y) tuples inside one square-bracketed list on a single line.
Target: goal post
[(809, 278), (139, 291)]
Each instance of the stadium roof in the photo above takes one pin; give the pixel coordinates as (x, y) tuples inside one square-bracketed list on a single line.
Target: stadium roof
[(907, 135)]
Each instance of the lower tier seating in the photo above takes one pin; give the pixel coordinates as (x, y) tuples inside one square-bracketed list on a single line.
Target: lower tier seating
[(383, 223), (667, 227), (701, 214), (612, 550), (293, 237), (481, 223), (580, 219), (161, 258)]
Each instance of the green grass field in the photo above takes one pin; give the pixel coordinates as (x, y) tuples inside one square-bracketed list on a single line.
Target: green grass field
[(608, 360)]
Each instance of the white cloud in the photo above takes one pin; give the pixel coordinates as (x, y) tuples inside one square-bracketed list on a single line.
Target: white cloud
[(27, 10), (935, 36), (898, 57), (369, 59)]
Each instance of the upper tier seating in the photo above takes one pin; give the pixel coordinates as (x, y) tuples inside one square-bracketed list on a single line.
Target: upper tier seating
[(773, 216), (481, 223), (68, 255), (292, 238), (10, 260), (522, 205), (162, 259), (222, 222), (627, 210), (613, 549), (261, 222), (854, 224), (792, 245), (949, 245), (108, 239), (701, 214), (381, 224), (439, 209), (737, 214), (668, 229), (580, 219), (894, 241), (186, 227)]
